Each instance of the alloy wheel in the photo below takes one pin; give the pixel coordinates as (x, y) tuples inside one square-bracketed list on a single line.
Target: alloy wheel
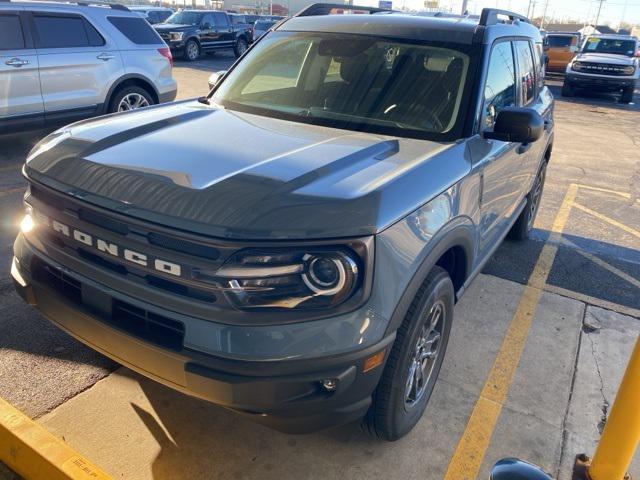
[(132, 101), (425, 355)]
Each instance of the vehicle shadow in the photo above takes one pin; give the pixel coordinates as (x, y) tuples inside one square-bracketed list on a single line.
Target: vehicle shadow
[(608, 100)]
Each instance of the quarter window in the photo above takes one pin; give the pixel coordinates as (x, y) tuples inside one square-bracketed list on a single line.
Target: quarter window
[(10, 33), (527, 72), (60, 31), (500, 88), (137, 30)]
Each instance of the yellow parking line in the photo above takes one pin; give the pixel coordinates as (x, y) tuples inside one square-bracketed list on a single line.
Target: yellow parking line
[(34, 453), (470, 451), (608, 220), (589, 300), (10, 191), (605, 190)]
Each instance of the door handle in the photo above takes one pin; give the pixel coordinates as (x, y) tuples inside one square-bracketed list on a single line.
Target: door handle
[(16, 62), (105, 56)]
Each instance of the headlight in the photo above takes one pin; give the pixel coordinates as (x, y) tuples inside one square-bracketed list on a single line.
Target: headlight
[(577, 66), (176, 35), (308, 279), (629, 70)]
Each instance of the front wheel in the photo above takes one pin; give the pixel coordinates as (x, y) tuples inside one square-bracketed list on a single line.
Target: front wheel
[(191, 51), (415, 359), (627, 95), (240, 48), (523, 226), (567, 89)]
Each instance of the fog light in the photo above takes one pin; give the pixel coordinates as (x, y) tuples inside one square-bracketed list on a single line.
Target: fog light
[(329, 384), (27, 223)]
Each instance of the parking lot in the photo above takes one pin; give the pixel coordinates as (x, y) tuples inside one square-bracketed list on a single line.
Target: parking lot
[(560, 312)]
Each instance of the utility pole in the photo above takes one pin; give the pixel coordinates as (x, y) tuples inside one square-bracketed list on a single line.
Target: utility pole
[(598, 15), (544, 14), (464, 7)]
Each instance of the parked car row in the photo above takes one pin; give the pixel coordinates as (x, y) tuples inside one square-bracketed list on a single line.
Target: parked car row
[(190, 33), (61, 62)]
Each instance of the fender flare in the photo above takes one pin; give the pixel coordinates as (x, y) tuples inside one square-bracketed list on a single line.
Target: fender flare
[(459, 232), (120, 81)]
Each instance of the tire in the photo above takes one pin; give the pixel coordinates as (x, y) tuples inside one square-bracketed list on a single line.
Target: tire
[(191, 51), (240, 47), (396, 408), (567, 90), (627, 95), (130, 98), (524, 224)]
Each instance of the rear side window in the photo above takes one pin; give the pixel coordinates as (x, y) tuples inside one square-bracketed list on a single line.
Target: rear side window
[(136, 30), (527, 71), (500, 88), (560, 41), (11, 37), (64, 31), (221, 20)]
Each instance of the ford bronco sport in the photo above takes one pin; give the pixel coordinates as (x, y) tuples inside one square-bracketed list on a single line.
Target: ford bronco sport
[(309, 282), (606, 63)]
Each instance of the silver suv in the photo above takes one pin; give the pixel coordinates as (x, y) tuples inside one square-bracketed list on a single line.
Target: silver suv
[(60, 62)]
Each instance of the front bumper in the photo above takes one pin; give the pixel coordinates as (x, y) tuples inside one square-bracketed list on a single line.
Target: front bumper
[(599, 83), (286, 395)]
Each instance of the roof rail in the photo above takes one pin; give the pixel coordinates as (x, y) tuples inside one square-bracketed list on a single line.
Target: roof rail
[(489, 16), (325, 9), (82, 3)]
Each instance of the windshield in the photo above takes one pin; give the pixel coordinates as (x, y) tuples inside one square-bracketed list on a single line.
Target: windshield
[(185, 18), (264, 24), (560, 40), (352, 82), (610, 45)]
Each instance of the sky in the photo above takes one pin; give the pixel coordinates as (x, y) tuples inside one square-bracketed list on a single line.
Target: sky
[(612, 12)]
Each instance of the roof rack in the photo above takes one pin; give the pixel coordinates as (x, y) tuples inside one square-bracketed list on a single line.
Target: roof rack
[(90, 3), (489, 16), (325, 9)]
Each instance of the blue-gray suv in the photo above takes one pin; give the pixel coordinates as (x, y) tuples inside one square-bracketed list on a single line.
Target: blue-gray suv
[(292, 245)]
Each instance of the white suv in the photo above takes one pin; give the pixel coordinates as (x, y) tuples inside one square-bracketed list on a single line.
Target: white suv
[(61, 62)]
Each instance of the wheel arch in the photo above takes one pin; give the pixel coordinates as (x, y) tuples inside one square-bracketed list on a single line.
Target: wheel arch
[(453, 250), (130, 80)]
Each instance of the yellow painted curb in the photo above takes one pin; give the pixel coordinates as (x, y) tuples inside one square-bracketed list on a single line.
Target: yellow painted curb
[(34, 453)]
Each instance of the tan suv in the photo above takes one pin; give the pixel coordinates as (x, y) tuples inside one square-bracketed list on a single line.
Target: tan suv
[(560, 49)]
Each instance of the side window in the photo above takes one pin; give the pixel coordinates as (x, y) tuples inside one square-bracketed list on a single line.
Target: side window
[(538, 57), (11, 37), (208, 18), (95, 39), (60, 31), (221, 20), (526, 69), (136, 29), (500, 88)]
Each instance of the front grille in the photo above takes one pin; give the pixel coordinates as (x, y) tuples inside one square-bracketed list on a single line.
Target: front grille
[(137, 237), (151, 327), (602, 69)]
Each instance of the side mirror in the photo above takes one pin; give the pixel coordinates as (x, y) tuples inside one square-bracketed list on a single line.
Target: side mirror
[(206, 26), (514, 124), (215, 77), (514, 469), (637, 54)]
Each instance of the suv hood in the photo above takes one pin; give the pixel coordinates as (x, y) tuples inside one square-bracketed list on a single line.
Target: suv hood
[(236, 175), (606, 58)]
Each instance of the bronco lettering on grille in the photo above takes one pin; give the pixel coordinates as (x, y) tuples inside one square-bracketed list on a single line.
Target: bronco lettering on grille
[(108, 247)]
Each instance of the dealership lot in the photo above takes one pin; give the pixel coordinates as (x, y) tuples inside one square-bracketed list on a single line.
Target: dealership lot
[(563, 310)]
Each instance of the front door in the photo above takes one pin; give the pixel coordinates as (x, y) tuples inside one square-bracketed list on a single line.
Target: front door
[(77, 63), (499, 162), (20, 96)]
